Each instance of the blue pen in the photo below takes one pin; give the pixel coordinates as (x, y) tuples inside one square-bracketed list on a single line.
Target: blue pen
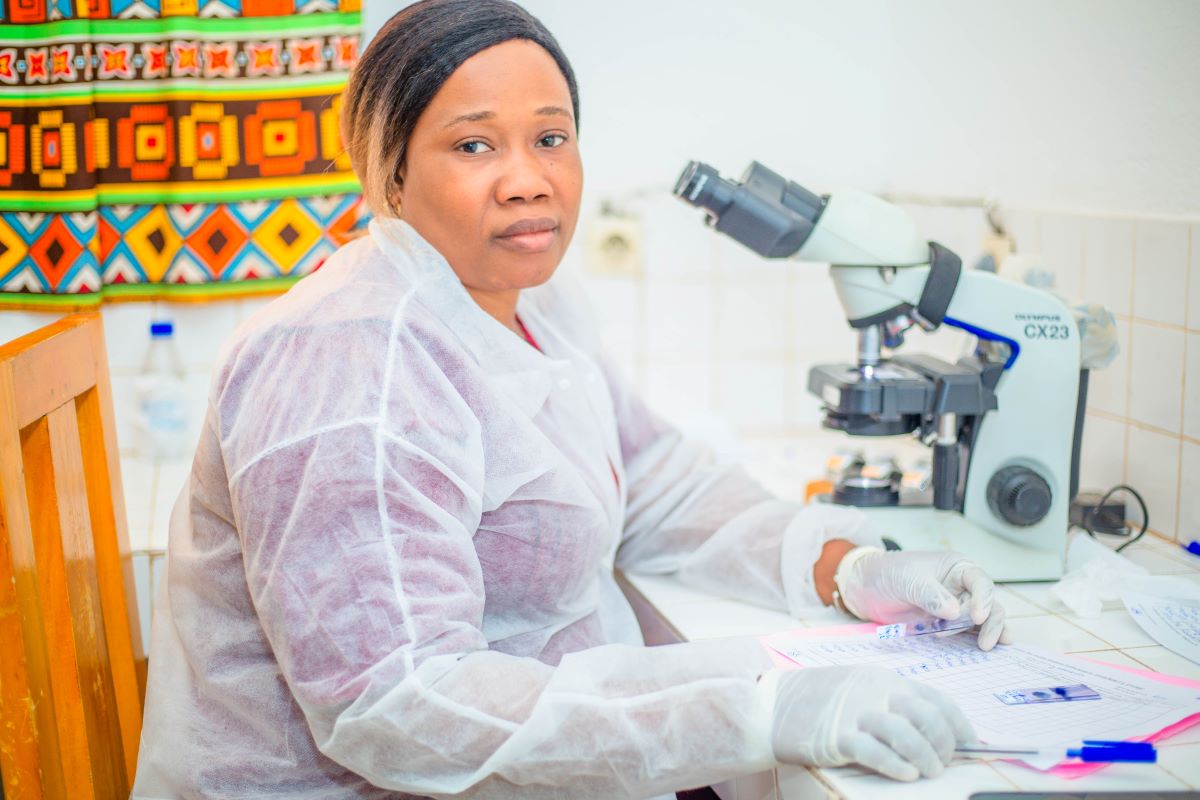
[(1092, 750)]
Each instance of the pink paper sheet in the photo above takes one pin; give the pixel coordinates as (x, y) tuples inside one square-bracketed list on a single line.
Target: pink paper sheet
[(1067, 769)]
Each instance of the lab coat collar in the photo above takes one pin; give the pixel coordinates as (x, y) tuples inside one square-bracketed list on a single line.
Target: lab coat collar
[(522, 373)]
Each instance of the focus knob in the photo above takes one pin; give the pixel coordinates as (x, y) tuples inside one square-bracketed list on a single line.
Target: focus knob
[(1019, 496)]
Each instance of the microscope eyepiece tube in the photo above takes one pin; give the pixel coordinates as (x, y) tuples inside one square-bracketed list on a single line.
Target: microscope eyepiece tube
[(703, 187), (764, 212)]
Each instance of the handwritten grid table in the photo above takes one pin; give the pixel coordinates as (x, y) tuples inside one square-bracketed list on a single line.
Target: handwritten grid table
[(1037, 618)]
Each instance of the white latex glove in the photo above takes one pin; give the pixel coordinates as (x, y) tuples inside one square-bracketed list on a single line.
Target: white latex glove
[(899, 586), (832, 716)]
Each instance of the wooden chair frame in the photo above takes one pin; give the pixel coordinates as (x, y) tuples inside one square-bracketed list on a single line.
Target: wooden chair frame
[(72, 670)]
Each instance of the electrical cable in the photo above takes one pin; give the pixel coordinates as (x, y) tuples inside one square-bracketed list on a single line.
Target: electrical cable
[(1086, 523)]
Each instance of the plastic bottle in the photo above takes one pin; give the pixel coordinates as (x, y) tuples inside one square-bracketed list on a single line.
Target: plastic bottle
[(162, 423)]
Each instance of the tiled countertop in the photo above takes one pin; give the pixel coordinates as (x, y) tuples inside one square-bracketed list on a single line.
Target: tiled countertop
[(1037, 618)]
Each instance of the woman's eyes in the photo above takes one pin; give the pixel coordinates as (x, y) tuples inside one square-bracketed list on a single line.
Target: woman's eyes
[(474, 148), (555, 139)]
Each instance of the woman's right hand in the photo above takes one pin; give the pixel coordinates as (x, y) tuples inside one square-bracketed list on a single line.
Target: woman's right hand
[(832, 716)]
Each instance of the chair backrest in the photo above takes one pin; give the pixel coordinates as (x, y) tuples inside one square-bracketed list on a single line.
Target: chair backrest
[(72, 670)]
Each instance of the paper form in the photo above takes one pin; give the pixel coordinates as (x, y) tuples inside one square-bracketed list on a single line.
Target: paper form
[(1173, 623), (1130, 706)]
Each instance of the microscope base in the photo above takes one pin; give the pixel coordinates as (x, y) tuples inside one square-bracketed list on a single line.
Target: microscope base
[(930, 529)]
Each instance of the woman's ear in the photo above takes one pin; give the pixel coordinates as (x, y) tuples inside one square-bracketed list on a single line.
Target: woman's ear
[(396, 192)]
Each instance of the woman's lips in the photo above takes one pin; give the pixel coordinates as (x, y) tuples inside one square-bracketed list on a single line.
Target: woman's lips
[(529, 235)]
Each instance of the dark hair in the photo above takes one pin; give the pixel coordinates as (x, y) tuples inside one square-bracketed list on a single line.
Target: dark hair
[(404, 67)]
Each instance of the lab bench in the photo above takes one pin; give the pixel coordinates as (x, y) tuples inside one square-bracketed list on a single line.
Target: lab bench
[(671, 612)]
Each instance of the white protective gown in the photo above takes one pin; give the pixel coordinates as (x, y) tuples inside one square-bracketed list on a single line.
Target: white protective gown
[(391, 571)]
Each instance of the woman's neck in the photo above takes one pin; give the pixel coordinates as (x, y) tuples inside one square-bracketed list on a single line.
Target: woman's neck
[(500, 305)]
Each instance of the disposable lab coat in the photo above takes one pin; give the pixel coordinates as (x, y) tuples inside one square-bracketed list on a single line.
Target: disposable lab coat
[(391, 570)]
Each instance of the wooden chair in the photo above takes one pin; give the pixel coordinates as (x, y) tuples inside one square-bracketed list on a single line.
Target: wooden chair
[(72, 671)]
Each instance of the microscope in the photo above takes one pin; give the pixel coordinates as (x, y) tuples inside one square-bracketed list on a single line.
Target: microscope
[(1004, 424)]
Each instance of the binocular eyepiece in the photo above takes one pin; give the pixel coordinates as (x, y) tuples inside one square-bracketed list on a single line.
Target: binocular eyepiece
[(766, 212)]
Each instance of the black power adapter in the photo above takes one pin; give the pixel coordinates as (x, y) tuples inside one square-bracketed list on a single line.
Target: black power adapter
[(1101, 512)]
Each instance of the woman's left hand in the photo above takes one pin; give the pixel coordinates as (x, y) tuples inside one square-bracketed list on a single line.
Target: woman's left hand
[(900, 586)]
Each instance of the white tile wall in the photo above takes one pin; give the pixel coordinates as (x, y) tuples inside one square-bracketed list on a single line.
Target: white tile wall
[(1193, 293), (1108, 264), (1062, 249), (126, 331), (1025, 228), (15, 323), (200, 329), (680, 388), (1160, 272), (753, 394), (1153, 469), (1102, 457), (756, 318), (1189, 493), (1156, 376), (1191, 397), (682, 317), (1108, 388)]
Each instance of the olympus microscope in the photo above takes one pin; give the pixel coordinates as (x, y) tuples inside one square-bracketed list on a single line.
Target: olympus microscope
[(1004, 423)]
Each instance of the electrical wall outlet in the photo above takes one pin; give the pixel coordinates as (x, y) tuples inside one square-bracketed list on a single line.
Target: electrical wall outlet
[(614, 245), (999, 247)]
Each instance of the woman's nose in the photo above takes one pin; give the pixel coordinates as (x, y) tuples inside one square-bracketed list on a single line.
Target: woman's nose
[(524, 178)]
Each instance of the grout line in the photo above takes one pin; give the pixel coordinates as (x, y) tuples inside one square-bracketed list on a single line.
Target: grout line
[(1145, 426), (1179, 455), (1187, 278), (1002, 776), (1100, 413), (1125, 651), (1091, 633), (1125, 455), (1153, 323), (1132, 299), (1188, 782)]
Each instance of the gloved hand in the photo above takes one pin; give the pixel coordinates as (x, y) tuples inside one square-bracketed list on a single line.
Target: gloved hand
[(831, 716), (900, 586)]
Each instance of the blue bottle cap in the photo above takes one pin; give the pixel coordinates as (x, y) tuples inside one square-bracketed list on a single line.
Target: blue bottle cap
[(162, 328)]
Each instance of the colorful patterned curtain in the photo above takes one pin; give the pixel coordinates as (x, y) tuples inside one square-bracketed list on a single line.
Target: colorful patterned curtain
[(171, 148)]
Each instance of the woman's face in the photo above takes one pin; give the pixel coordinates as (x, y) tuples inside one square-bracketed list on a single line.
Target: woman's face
[(492, 176)]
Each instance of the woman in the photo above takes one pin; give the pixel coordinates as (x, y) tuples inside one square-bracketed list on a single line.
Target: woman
[(391, 571)]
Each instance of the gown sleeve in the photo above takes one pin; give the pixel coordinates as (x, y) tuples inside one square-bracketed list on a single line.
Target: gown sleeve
[(711, 523)]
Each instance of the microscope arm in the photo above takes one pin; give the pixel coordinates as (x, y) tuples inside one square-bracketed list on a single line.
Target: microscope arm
[(883, 268)]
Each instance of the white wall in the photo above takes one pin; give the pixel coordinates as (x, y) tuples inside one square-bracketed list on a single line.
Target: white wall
[(1072, 104)]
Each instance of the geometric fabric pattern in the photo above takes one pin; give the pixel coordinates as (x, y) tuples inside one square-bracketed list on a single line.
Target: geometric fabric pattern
[(157, 251), (158, 147)]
